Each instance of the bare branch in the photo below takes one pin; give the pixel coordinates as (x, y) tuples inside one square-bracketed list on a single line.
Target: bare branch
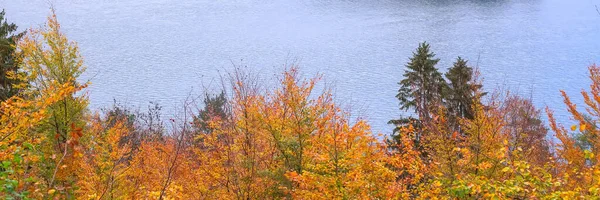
[(178, 147)]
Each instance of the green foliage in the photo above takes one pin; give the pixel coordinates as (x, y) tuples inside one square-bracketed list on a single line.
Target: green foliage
[(8, 60), (8, 170), (461, 91), (421, 90), (52, 62), (422, 86), (283, 144), (143, 126), (214, 107)]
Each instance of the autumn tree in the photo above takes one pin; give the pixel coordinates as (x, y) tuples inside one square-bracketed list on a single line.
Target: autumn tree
[(576, 166), (42, 124), (143, 125), (106, 160), (526, 130), (479, 164), (51, 62), (238, 155), (285, 144), (291, 118), (411, 172), (322, 153), (162, 170)]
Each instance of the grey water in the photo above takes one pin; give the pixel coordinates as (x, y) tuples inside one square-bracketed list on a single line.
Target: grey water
[(138, 51)]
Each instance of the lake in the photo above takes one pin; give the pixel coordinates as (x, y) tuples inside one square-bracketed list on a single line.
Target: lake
[(161, 51)]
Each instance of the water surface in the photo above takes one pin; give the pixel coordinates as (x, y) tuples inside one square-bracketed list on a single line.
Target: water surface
[(158, 50)]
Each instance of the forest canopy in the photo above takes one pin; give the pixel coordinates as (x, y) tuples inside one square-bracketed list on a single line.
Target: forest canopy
[(289, 141)]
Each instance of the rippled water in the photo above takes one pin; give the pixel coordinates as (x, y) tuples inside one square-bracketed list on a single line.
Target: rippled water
[(159, 50)]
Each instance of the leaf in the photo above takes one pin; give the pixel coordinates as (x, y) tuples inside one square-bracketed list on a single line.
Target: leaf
[(6, 164), (17, 158), (28, 145)]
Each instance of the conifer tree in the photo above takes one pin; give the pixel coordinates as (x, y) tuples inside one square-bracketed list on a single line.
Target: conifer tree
[(214, 106), (461, 92), (421, 89), (8, 39)]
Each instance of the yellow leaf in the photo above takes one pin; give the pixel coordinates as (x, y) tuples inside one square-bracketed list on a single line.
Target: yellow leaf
[(557, 184), (582, 127), (51, 191), (574, 127)]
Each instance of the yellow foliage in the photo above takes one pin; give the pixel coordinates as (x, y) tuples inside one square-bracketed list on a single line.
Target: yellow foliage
[(283, 143)]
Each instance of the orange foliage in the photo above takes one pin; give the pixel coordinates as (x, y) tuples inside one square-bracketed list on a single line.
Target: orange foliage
[(284, 143), (577, 162)]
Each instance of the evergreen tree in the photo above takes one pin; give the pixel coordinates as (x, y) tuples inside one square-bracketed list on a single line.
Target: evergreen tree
[(421, 89), (461, 92), (8, 39), (214, 109)]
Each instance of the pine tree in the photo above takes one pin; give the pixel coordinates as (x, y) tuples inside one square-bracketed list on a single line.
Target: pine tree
[(8, 39), (215, 109), (461, 91), (421, 89), (214, 106)]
